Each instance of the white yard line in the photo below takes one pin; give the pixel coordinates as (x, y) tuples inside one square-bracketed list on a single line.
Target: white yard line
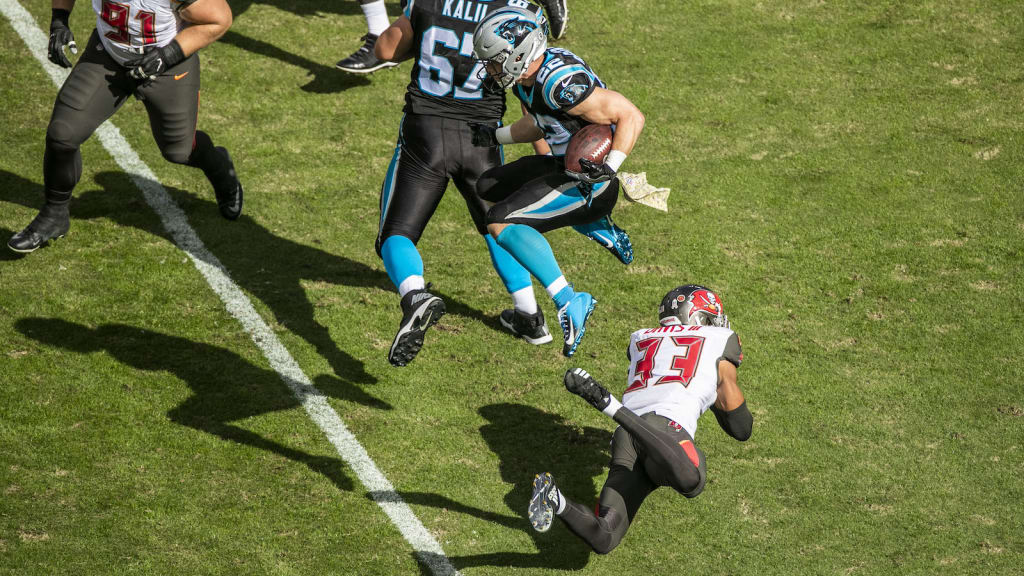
[(238, 304)]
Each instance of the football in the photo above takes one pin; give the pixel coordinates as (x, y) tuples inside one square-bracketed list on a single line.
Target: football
[(593, 142)]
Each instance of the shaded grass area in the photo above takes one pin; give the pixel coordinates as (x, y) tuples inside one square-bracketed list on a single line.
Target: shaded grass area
[(845, 174)]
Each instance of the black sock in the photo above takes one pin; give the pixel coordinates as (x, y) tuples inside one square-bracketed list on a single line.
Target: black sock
[(210, 160)]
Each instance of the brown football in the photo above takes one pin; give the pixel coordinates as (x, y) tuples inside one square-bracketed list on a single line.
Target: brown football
[(593, 142)]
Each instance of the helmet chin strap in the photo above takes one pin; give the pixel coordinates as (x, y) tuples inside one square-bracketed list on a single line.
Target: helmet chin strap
[(539, 46)]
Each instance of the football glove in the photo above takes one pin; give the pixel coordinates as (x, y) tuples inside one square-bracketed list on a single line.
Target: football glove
[(60, 38), (484, 135), (592, 172), (147, 67)]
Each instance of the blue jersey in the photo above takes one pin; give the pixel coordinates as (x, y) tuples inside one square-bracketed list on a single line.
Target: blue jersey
[(564, 80)]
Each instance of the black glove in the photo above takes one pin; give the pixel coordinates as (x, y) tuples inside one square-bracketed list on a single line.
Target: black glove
[(60, 36), (592, 173), (153, 63), (484, 135)]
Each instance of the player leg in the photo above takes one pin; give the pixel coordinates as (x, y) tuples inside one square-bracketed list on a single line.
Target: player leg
[(624, 491), (671, 458), (550, 200), (524, 319), (363, 61), (94, 90), (415, 182), (172, 102), (558, 16), (607, 234)]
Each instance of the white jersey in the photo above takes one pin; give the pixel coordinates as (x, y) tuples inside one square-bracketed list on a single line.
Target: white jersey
[(673, 370), (128, 26)]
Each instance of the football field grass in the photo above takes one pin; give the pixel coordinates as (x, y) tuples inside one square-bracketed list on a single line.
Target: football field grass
[(847, 175)]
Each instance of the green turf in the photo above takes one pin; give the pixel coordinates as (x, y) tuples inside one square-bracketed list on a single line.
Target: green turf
[(846, 174)]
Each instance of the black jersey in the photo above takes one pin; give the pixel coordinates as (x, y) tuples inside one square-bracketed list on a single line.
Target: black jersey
[(563, 81), (444, 79)]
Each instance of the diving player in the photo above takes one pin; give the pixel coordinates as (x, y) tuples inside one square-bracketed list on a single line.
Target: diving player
[(535, 194), (676, 372)]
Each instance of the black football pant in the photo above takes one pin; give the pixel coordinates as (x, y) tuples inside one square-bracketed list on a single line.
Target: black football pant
[(647, 452), (535, 191), (431, 151), (96, 89)]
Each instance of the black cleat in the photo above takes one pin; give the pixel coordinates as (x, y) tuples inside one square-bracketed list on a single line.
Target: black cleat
[(363, 61), (529, 327), (582, 384), (420, 310), (52, 222), (558, 16), (229, 192)]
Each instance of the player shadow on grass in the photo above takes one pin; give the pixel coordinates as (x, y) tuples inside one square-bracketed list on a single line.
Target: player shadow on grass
[(225, 387), (326, 79), (527, 441), (267, 266), (311, 7)]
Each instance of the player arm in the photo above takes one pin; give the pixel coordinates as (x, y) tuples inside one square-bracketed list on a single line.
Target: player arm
[(605, 106), (395, 43), (540, 145), (209, 20), (519, 132), (730, 409)]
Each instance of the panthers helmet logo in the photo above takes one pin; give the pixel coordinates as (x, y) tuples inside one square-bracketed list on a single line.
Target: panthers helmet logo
[(515, 30)]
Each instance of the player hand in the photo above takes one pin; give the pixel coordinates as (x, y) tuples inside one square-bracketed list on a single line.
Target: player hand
[(60, 38), (147, 67), (484, 135), (592, 172)]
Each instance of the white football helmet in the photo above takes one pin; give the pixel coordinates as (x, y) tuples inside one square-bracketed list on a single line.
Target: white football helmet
[(507, 41)]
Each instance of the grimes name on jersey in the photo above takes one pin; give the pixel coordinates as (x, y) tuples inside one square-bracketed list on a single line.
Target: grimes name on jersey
[(465, 10)]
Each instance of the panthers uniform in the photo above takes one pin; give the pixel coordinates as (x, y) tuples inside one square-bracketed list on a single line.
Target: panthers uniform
[(444, 94), (535, 190)]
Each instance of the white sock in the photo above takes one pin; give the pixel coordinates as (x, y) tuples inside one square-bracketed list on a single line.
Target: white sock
[(612, 407), (561, 502), (524, 300), (376, 17), (411, 283), (556, 286)]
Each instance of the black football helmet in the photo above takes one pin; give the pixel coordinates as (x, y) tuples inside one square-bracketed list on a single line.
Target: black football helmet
[(692, 305)]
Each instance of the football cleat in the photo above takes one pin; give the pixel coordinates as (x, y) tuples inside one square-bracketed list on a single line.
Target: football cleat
[(52, 222), (573, 318), (615, 239), (582, 384), (529, 327), (420, 310), (558, 16), (229, 192), (543, 502), (363, 61)]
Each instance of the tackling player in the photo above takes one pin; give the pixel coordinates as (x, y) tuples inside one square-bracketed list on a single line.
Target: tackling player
[(535, 194), (676, 372), (145, 48), (445, 93)]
